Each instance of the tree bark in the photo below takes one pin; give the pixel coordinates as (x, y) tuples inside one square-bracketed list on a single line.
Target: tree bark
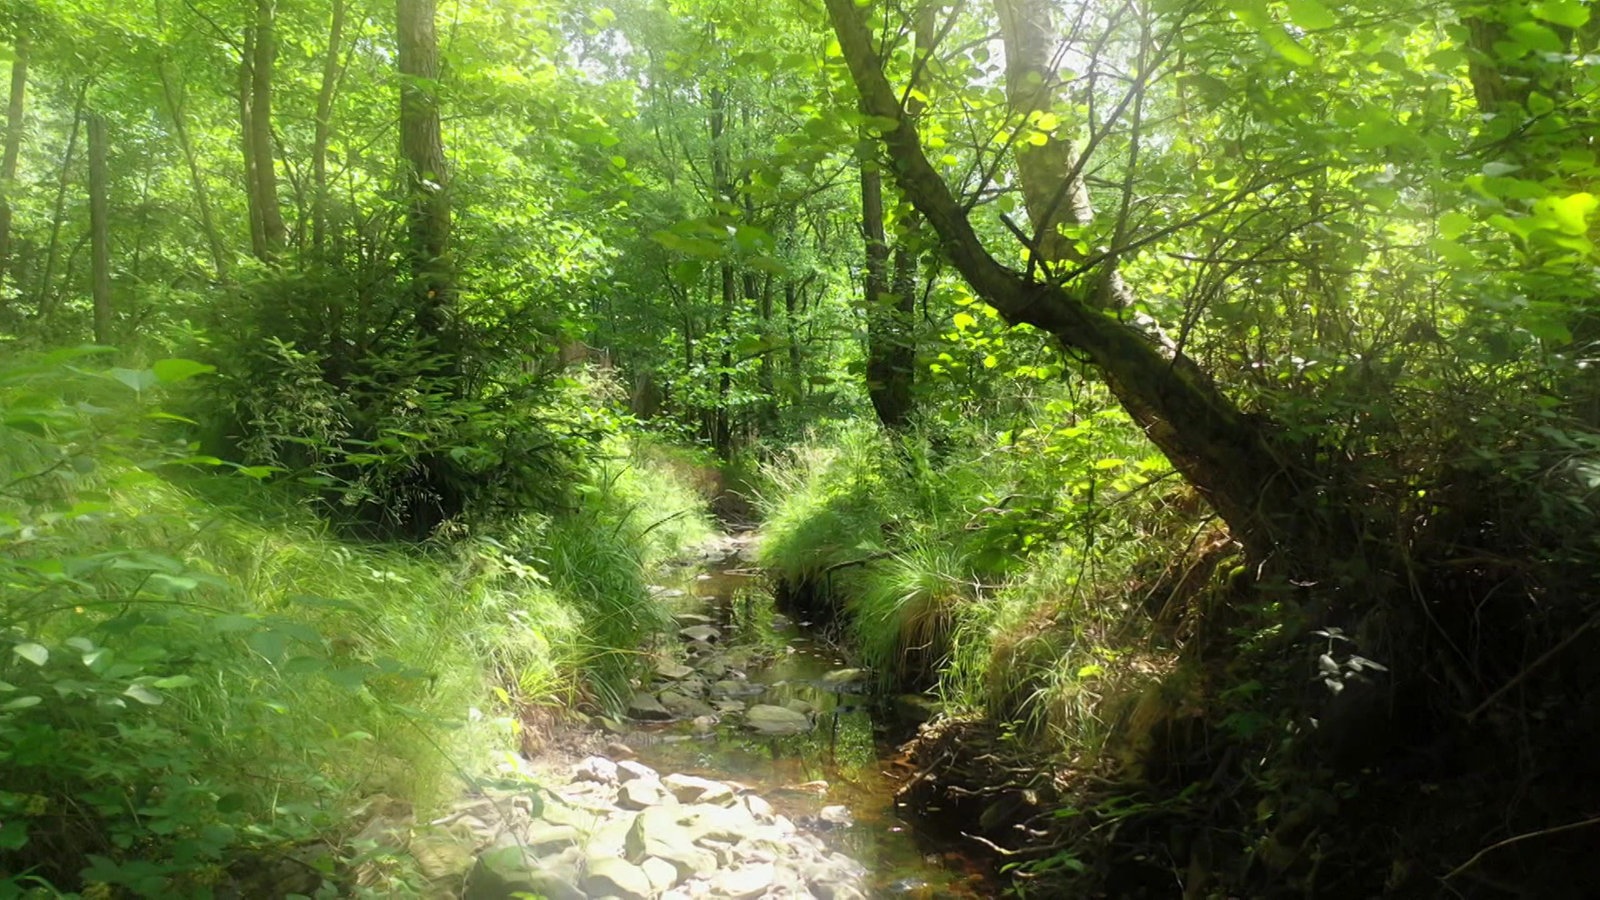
[(324, 128), (887, 387), (1247, 475), (247, 147), (13, 149), (427, 175), (202, 199), (45, 294), (260, 136), (100, 231), (722, 187)]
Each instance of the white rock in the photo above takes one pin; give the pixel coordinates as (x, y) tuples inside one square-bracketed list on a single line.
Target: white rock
[(629, 770), (596, 769), (690, 789), (745, 882)]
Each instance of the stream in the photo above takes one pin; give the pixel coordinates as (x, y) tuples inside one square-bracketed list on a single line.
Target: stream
[(832, 769)]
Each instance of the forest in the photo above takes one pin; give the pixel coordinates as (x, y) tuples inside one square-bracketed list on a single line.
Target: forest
[(1046, 448)]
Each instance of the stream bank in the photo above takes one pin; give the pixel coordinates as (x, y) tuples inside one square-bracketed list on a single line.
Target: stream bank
[(747, 694), (754, 762)]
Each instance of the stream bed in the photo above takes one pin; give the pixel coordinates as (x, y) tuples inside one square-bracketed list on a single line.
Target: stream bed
[(756, 699)]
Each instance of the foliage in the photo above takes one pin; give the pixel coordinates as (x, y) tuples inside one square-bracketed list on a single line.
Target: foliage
[(195, 669)]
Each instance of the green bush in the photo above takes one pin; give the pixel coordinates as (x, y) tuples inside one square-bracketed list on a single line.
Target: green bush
[(323, 375)]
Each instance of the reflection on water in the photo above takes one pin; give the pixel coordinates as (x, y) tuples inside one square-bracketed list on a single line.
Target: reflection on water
[(843, 761)]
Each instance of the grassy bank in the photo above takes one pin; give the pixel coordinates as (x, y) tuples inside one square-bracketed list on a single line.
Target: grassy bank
[(993, 569), (195, 668)]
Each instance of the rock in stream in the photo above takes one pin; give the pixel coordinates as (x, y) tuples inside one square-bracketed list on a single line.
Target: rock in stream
[(622, 830)]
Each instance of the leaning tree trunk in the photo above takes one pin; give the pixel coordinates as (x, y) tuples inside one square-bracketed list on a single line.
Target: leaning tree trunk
[(1249, 476), (180, 129), (427, 176), (13, 148), (100, 230)]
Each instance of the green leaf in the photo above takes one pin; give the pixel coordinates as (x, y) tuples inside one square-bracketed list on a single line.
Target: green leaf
[(174, 370), (1536, 37), (1288, 48), (21, 703), (1571, 213), (175, 681), (136, 379), (1568, 13), (144, 695), (1310, 15), (34, 653), (1454, 224)]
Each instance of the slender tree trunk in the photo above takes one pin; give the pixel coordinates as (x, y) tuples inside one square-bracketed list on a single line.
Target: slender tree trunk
[(324, 129), (46, 295), (1249, 476), (100, 231), (767, 377), (427, 178), (791, 302), (202, 199), (722, 185), (13, 148), (247, 147), (260, 135)]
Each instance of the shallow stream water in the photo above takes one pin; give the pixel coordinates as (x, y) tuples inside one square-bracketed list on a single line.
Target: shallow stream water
[(840, 777)]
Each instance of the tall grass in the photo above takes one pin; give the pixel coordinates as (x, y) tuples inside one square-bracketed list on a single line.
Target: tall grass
[(991, 570), (192, 665)]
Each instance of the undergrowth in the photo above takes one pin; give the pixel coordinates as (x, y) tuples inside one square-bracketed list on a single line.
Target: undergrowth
[(980, 563), (195, 669)]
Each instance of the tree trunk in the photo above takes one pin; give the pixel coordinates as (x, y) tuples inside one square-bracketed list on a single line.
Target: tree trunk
[(722, 186), (1247, 475), (13, 148), (202, 200), (427, 177), (260, 134), (247, 147), (324, 129), (45, 293), (100, 230), (878, 301)]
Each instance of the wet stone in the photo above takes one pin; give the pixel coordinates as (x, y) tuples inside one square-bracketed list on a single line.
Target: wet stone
[(646, 708), (838, 816), (673, 671), (706, 633), (776, 720), (684, 706), (728, 688)]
